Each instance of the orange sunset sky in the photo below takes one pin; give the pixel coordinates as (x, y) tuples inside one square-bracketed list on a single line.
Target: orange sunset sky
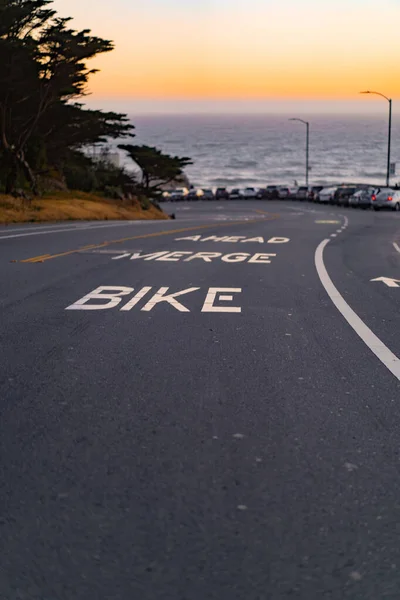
[(242, 50)]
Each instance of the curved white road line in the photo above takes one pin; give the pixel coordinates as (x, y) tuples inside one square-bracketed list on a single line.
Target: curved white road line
[(386, 356), (396, 247)]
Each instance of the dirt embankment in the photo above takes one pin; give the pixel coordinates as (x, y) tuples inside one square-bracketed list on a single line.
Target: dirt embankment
[(71, 206)]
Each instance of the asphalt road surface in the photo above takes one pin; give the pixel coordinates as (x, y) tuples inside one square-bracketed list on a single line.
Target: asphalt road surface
[(202, 408)]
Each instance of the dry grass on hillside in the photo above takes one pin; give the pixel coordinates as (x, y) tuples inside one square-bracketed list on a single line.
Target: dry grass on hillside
[(69, 206)]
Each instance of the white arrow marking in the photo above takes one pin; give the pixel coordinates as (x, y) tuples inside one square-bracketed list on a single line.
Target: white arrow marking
[(390, 360), (388, 281)]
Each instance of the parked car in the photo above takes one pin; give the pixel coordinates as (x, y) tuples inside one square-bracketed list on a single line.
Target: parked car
[(354, 199), (287, 192), (302, 192), (284, 192), (222, 194), (326, 195), (178, 195), (261, 193), (365, 198), (195, 195), (386, 198), (249, 192), (342, 195), (208, 195), (362, 198), (271, 192), (236, 194), (314, 191)]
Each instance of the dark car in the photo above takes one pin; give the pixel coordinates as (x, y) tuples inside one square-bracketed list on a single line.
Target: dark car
[(261, 193), (208, 195), (313, 193), (272, 192), (236, 194), (194, 194), (343, 194), (222, 194)]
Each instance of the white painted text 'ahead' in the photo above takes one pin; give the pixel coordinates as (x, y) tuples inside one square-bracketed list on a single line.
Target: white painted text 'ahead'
[(234, 239)]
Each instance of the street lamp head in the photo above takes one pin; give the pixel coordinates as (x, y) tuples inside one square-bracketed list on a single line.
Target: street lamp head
[(299, 120), (376, 94)]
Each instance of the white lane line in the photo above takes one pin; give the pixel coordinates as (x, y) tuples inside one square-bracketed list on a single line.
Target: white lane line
[(396, 247), (78, 229), (19, 235), (386, 356), (27, 228), (333, 234), (70, 226)]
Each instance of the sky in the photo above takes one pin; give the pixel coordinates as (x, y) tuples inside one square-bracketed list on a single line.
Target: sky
[(242, 55)]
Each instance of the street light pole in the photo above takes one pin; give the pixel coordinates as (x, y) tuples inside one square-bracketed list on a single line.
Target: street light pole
[(389, 132), (307, 150), (389, 141), (307, 124)]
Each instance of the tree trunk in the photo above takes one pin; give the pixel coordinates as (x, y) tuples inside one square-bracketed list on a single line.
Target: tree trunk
[(145, 182), (29, 174), (11, 179)]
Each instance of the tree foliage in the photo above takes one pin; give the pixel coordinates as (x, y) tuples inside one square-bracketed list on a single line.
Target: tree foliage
[(156, 168), (43, 71), (84, 173)]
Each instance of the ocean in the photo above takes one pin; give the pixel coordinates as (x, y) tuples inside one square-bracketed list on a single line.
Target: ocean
[(257, 150)]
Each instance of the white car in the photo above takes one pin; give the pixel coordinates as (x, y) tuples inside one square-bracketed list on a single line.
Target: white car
[(249, 192), (178, 194), (326, 195)]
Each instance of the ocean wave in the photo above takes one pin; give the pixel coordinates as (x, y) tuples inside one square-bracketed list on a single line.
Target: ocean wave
[(237, 151), (237, 181), (365, 173), (236, 163)]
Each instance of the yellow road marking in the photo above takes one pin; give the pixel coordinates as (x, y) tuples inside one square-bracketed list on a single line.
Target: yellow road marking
[(36, 258), (45, 257), (263, 212)]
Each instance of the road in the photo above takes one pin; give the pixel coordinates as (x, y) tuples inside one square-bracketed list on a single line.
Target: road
[(202, 408)]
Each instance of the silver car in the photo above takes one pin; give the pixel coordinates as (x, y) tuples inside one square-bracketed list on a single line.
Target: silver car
[(327, 195), (386, 198), (302, 192), (286, 192), (362, 198)]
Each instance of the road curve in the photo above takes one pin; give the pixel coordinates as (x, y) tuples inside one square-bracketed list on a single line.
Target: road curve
[(206, 407)]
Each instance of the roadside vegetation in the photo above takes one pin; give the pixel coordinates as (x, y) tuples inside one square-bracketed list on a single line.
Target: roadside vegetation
[(74, 205), (46, 131)]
